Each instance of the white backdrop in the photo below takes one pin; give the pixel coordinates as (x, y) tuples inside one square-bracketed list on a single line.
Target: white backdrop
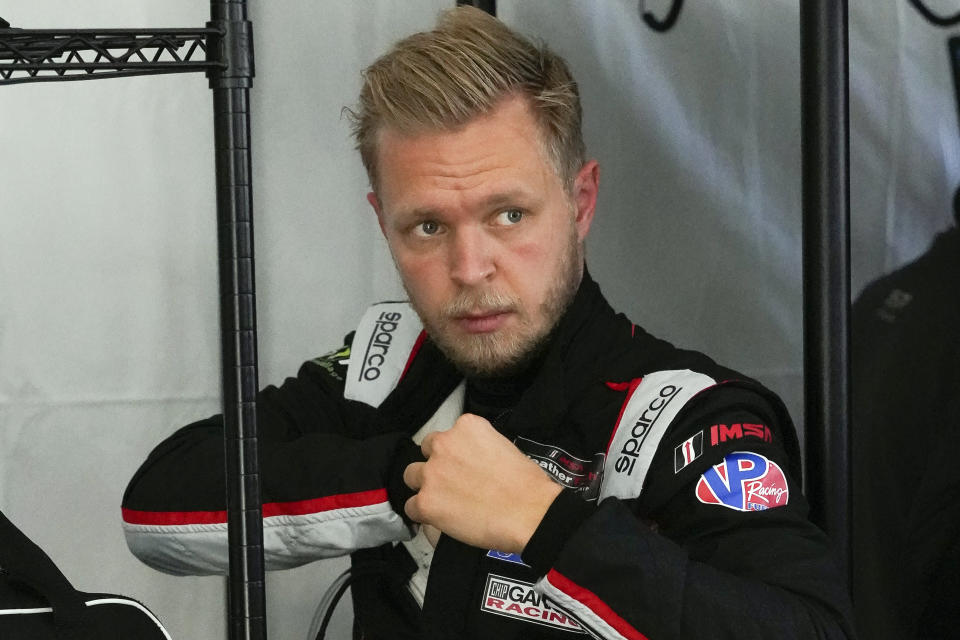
[(108, 306)]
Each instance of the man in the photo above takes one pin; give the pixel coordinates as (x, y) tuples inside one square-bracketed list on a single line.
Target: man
[(575, 475)]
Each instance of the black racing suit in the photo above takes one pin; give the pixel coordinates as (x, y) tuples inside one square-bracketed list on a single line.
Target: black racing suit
[(682, 515)]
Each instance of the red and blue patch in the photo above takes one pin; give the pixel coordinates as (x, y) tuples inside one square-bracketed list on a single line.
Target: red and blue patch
[(744, 481)]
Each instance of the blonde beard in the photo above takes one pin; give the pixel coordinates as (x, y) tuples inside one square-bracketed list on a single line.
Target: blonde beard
[(502, 353)]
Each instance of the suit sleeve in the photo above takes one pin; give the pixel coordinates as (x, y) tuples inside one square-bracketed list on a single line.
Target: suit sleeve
[(326, 482), (718, 545)]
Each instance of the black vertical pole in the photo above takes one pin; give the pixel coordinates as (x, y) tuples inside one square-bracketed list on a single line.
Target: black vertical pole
[(238, 325), (490, 6), (826, 265)]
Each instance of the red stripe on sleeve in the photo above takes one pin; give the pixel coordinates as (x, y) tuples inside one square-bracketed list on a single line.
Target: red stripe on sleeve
[(132, 516), (414, 352), (630, 389), (327, 503), (595, 604), (298, 508)]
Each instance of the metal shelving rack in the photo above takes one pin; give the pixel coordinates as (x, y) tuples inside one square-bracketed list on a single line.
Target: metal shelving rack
[(223, 49), (825, 145)]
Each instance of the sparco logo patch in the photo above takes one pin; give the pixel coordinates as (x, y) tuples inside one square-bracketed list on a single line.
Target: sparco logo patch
[(516, 599), (642, 426), (382, 345), (744, 481), (651, 406), (379, 345), (583, 476)]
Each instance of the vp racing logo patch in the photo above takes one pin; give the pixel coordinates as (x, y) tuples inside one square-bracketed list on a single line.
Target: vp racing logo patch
[(518, 600), (744, 482)]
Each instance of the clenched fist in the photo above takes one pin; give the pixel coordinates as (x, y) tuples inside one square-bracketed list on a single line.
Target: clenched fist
[(478, 488)]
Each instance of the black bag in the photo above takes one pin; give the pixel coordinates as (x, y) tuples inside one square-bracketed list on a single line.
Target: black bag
[(37, 602)]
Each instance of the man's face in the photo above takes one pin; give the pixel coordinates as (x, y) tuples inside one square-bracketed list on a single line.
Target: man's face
[(488, 243)]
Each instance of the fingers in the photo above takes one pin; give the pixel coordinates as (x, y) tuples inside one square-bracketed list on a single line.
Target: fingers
[(426, 445), (413, 475), (466, 427), (413, 510), (440, 491), (413, 478)]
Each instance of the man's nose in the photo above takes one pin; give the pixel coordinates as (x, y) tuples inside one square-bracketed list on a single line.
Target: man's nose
[(471, 257)]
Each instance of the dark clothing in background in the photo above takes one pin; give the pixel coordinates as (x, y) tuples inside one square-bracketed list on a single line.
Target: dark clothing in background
[(906, 421)]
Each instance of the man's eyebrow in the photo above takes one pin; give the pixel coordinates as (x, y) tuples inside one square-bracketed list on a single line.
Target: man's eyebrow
[(416, 214), (511, 197)]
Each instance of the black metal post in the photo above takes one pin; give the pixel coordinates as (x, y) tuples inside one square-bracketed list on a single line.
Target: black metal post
[(238, 324), (490, 6), (826, 265), (34, 56)]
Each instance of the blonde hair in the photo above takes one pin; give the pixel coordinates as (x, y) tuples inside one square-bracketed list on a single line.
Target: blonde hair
[(442, 79)]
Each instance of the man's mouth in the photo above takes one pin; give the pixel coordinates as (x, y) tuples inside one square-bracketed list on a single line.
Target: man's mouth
[(482, 321)]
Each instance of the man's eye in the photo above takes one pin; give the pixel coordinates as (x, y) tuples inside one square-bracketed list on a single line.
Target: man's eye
[(510, 216), (427, 228)]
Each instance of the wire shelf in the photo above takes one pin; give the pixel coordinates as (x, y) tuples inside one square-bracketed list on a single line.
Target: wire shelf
[(39, 55)]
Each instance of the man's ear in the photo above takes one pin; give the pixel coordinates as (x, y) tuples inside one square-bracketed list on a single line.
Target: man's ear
[(375, 203), (586, 187)]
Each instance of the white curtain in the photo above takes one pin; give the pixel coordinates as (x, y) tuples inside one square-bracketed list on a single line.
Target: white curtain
[(108, 292)]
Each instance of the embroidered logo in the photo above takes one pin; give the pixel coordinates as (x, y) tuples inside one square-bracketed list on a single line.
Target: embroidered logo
[(642, 426), (518, 600), (583, 476), (744, 482), (382, 346), (652, 404), (376, 349), (720, 433), (687, 451), (506, 557), (335, 362)]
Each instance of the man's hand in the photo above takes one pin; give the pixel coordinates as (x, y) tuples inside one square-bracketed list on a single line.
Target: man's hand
[(478, 488)]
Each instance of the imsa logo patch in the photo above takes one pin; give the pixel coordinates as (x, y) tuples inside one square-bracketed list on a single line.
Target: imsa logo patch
[(517, 599)]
